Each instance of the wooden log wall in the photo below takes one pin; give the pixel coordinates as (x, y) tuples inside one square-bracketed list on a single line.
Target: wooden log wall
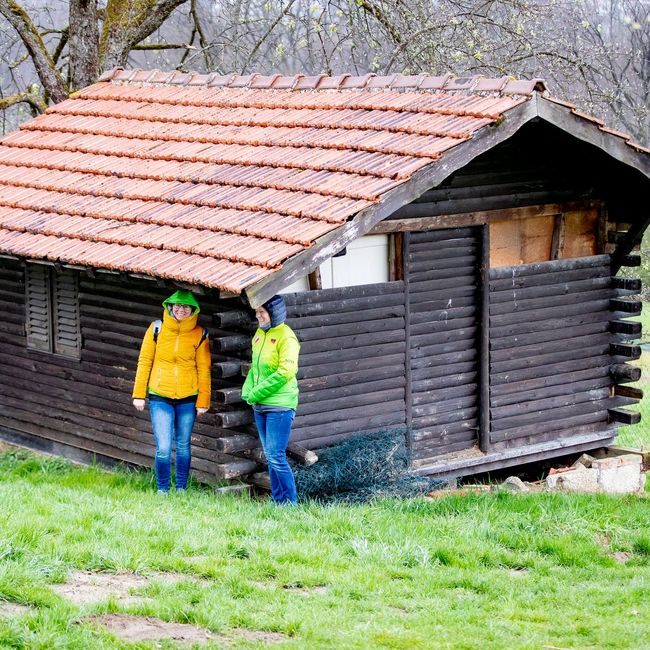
[(352, 361), (442, 279), (86, 404), (551, 350)]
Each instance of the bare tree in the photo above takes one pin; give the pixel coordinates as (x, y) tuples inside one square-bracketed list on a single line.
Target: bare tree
[(594, 52)]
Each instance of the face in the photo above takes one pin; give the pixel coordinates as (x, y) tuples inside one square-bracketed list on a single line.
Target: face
[(262, 316), (181, 311)]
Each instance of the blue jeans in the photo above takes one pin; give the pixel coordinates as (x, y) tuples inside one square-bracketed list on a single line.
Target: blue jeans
[(274, 428), (172, 421)]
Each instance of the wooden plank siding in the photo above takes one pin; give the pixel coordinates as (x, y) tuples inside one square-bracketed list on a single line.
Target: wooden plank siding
[(550, 349), (443, 297), (86, 403), (352, 361)]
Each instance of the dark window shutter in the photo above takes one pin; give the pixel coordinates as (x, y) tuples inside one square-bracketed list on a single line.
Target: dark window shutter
[(38, 303), (65, 308)]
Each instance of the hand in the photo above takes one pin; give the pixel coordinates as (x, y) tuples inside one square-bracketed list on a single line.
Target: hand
[(201, 411), (139, 404)]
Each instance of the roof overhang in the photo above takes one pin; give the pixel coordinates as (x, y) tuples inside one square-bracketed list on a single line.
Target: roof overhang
[(559, 115)]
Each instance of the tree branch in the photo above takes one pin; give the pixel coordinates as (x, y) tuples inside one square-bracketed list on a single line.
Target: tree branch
[(33, 99), (45, 68)]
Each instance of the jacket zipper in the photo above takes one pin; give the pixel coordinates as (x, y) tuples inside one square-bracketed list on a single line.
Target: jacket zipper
[(258, 361)]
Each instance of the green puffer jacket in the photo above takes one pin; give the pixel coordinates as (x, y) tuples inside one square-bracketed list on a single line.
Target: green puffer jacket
[(272, 377)]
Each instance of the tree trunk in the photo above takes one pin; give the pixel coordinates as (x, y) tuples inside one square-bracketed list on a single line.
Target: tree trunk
[(127, 23), (83, 43)]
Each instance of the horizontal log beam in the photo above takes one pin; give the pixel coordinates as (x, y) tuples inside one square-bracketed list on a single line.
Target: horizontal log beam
[(230, 395), (628, 391), (628, 284), (625, 373), (625, 305), (234, 469), (624, 416), (229, 419), (625, 350), (627, 327)]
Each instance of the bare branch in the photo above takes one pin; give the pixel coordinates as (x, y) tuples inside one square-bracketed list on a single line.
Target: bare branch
[(33, 99), (45, 68)]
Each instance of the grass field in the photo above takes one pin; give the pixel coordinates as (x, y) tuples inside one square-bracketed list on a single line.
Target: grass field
[(481, 571)]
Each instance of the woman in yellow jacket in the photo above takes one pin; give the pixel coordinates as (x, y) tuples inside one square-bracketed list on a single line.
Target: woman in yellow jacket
[(174, 372)]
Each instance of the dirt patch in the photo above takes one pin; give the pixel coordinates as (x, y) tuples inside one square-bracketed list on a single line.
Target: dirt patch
[(86, 587), (518, 573), (256, 635), (5, 446), (10, 610), (621, 557), (140, 628), (317, 590)]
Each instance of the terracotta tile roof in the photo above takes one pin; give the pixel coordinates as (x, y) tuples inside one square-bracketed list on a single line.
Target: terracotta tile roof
[(218, 179)]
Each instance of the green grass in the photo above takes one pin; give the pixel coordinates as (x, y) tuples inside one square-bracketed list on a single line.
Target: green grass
[(481, 571)]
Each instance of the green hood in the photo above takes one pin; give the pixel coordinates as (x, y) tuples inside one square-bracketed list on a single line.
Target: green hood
[(182, 297)]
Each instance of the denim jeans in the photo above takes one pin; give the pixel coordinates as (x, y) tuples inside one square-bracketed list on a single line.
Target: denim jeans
[(274, 428), (172, 421)]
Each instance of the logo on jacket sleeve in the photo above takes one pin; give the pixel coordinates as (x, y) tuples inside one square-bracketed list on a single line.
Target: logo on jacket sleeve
[(273, 341), (257, 339)]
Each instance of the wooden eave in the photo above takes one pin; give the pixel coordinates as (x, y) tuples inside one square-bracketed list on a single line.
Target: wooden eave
[(538, 107)]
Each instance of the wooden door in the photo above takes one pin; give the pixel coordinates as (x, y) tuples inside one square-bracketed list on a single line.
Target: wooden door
[(442, 277)]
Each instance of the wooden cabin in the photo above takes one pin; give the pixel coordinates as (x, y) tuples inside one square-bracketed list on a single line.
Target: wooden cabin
[(448, 248)]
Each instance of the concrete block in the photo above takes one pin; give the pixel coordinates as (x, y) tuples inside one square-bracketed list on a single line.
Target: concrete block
[(631, 459), (575, 480), (619, 480), (606, 463)]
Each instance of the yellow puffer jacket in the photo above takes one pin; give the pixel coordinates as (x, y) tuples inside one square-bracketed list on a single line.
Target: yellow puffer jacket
[(173, 366)]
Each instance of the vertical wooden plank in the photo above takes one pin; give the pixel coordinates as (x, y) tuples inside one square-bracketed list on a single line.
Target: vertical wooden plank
[(314, 279), (405, 242), (601, 241), (484, 344), (557, 244)]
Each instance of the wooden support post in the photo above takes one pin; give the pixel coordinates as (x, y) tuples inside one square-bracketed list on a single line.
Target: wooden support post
[(408, 388), (557, 243), (633, 237), (484, 344)]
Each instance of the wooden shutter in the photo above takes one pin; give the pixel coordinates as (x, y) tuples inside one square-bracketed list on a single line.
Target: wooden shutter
[(38, 307), (65, 309)]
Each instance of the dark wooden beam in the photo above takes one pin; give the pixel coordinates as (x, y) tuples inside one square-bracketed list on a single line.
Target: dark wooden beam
[(484, 343), (625, 417), (468, 218), (557, 244), (624, 373), (628, 391), (427, 177)]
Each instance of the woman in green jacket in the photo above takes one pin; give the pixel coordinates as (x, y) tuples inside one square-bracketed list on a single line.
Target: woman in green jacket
[(271, 389)]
